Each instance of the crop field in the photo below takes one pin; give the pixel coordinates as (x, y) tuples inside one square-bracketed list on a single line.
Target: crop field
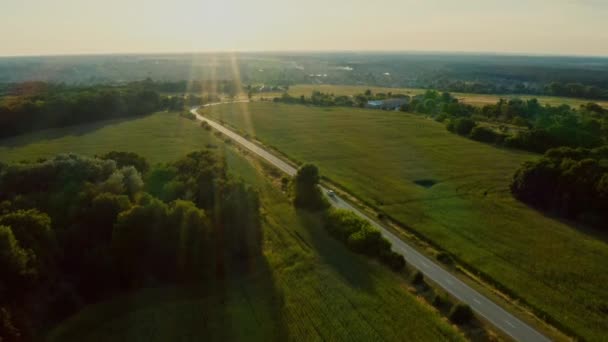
[(306, 286), (473, 99), (450, 189)]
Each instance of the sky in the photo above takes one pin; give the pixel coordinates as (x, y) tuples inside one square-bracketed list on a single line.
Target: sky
[(50, 27)]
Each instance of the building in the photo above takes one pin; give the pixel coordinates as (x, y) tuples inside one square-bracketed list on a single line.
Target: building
[(388, 104)]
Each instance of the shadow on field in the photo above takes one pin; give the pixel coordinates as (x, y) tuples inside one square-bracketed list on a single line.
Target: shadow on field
[(60, 132), (347, 264)]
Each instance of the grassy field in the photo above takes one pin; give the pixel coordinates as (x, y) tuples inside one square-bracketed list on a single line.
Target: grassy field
[(305, 287), (390, 159), (474, 99)]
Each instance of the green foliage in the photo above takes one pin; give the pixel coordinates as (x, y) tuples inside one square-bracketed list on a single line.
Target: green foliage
[(361, 237), (307, 192), (461, 314), (393, 260), (461, 126), (187, 115), (439, 301), (124, 159), (59, 106), (16, 263), (368, 241), (33, 231), (570, 182), (487, 135), (109, 235), (456, 215), (418, 278)]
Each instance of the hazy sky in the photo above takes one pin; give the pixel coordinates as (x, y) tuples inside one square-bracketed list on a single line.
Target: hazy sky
[(31, 27)]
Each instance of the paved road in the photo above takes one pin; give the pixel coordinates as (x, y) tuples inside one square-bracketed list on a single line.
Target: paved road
[(484, 307)]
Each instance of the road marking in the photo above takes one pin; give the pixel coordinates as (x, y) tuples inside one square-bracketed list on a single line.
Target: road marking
[(424, 264), (476, 300), (509, 323)]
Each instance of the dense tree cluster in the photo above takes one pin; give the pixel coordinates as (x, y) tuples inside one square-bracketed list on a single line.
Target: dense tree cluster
[(362, 238), (569, 89), (39, 105), (318, 98), (572, 183), (540, 127), (344, 226), (75, 229)]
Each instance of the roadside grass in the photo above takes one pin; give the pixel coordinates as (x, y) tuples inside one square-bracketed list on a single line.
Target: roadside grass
[(473, 99), (305, 286), (555, 267)]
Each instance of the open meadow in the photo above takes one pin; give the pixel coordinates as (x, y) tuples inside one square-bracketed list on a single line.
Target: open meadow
[(453, 191), (306, 286)]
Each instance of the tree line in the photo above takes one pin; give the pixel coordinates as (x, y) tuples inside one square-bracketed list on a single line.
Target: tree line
[(564, 89), (568, 182), (74, 230), (37, 105), (356, 233), (513, 123)]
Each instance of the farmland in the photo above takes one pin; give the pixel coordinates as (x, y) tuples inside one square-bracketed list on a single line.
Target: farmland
[(473, 99), (451, 190), (305, 286)]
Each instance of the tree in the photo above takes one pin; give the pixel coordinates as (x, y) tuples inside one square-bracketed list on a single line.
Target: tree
[(485, 134), (307, 193), (463, 126), (461, 314), (124, 159), (32, 229), (15, 262)]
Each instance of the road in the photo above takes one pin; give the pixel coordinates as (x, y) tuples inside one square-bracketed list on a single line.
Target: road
[(482, 306)]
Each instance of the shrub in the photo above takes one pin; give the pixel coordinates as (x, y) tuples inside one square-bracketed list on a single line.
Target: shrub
[(393, 260), (439, 301), (461, 314), (445, 258), (418, 278), (206, 125), (187, 115), (368, 241), (484, 134), (464, 126), (341, 224)]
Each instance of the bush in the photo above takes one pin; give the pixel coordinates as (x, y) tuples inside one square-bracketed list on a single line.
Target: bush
[(206, 125), (342, 223), (418, 278), (484, 134), (187, 115), (439, 301), (124, 159), (463, 126), (393, 260), (368, 241), (445, 258), (461, 314)]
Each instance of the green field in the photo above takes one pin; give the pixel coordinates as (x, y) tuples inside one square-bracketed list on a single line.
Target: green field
[(380, 156), (305, 287), (473, 99)]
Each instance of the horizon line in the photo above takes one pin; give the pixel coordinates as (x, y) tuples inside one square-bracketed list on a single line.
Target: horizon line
[(346, 51)]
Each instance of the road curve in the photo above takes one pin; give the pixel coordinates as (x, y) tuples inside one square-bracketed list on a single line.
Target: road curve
[(483, 307)]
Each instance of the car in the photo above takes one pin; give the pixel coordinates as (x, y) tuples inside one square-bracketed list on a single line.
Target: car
[(331, 193)]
